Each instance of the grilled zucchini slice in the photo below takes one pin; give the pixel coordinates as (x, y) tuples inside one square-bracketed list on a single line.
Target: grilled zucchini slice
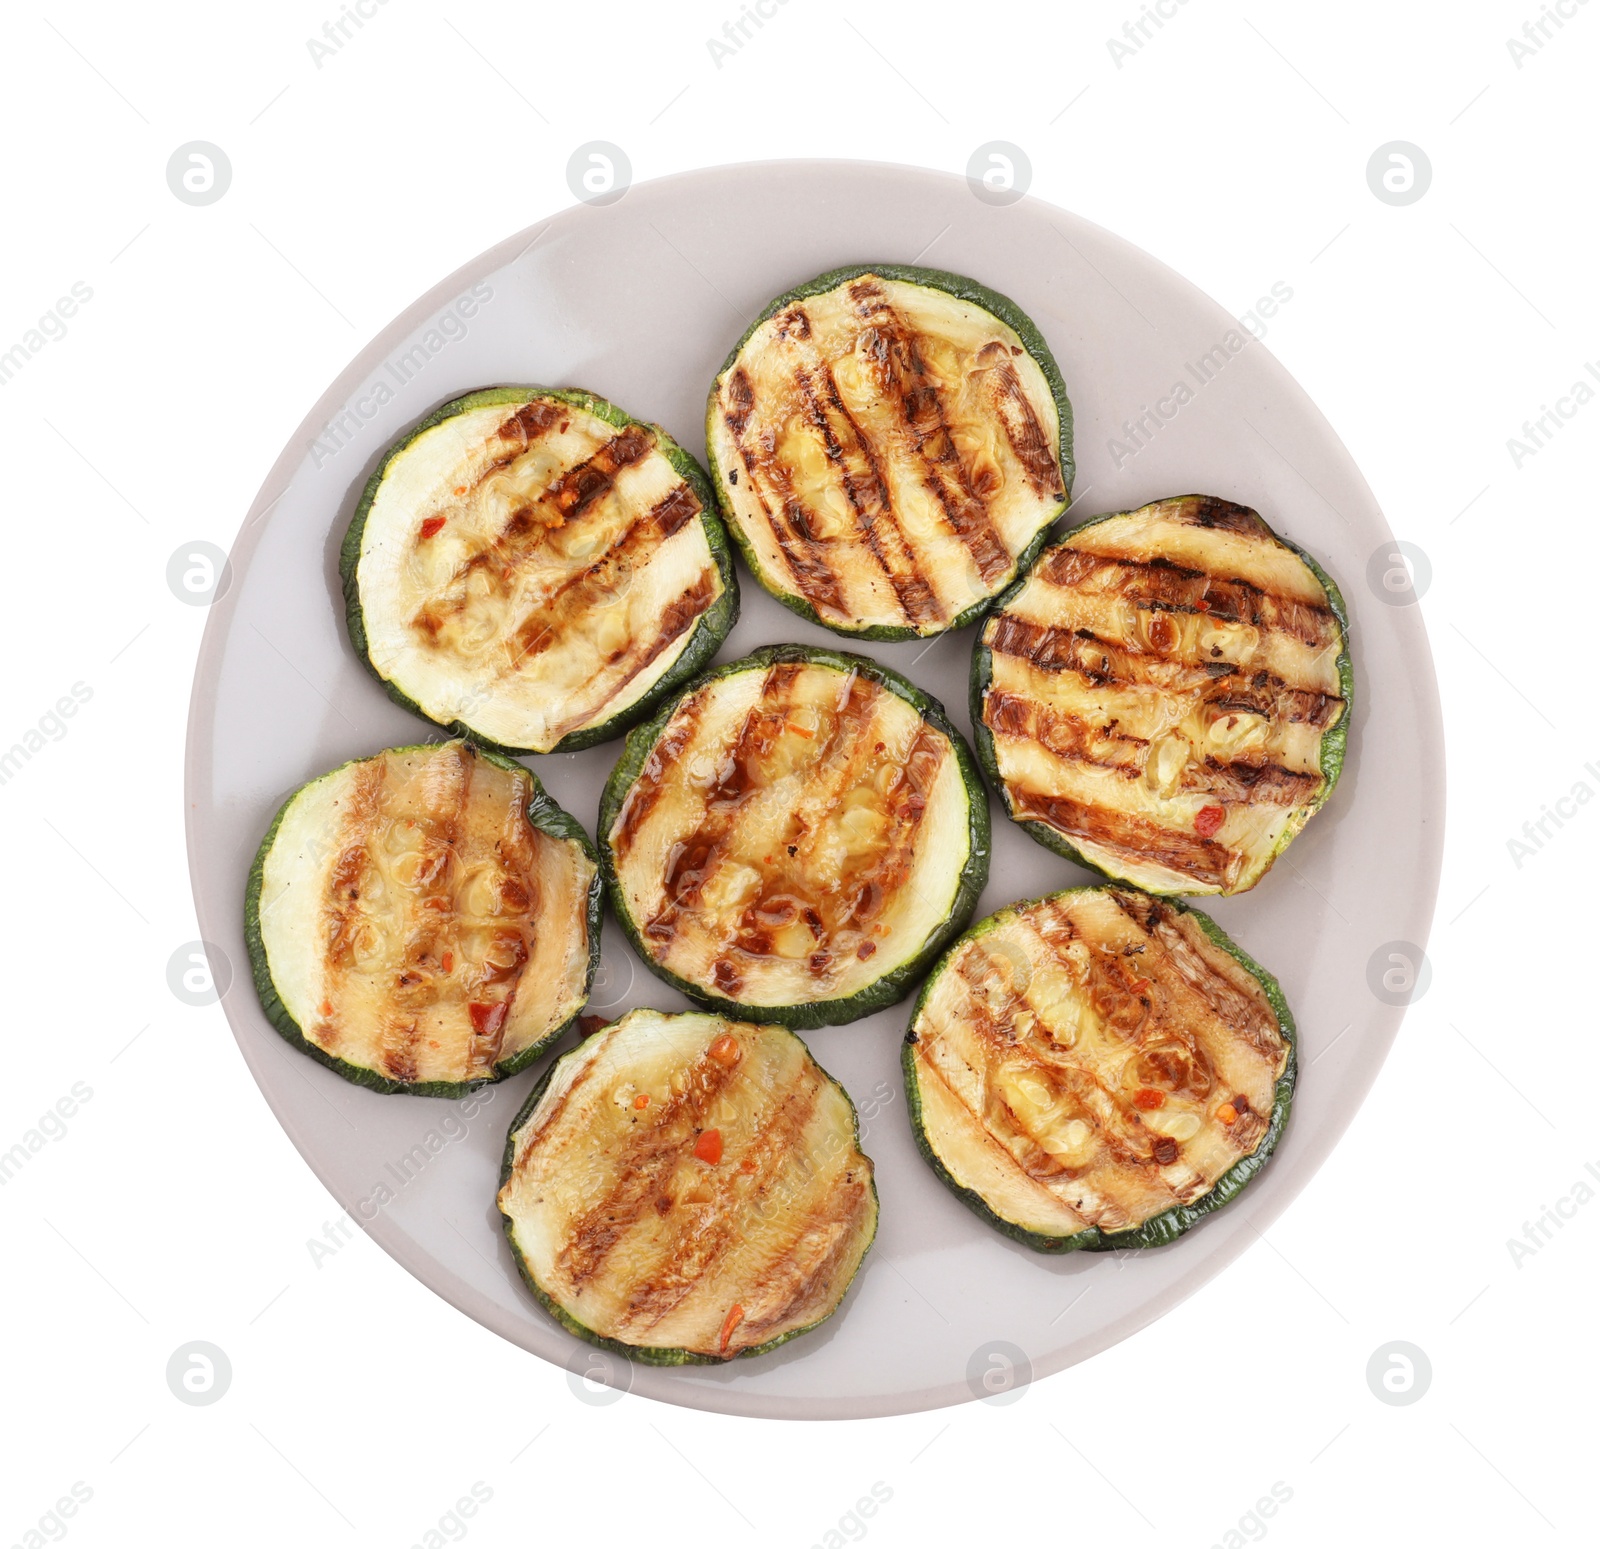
[(795, 836), (535, 568), (424, 920), (685, 1189), (1098, 1069), (1164, 697), (888, 444)]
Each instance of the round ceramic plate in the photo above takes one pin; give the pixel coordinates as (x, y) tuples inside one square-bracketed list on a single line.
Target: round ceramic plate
[(639, 301)]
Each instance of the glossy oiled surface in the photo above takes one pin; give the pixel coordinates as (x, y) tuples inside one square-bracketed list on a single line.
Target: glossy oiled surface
[(687, 1183), (1159, 690), (642, 301), (887, 450), (531, 570), (416, 924), (796, 832), (1092, 1060)]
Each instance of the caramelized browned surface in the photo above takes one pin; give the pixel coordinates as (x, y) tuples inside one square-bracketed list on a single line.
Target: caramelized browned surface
[(1092, 1060), (416, 923), (888, 452), (779, 842), (1158, 665), (644, 1232), (532, 571)]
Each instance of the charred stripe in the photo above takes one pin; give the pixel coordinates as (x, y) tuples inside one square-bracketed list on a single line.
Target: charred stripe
[(869, 499), (1016, 414), (891, 346), (1137, 837), (800, 548)]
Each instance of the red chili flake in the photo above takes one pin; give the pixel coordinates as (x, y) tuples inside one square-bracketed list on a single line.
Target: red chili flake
[(866, 949), (487, 1019), (432, 525), (1208, 820), (448, 961), (1148, 1097), (709, 1146), (327, 1008), (642, 1100), (461, 489), (564, 425), (1165, 1151), (1203, 605), (725, 1049), (730, 1323)]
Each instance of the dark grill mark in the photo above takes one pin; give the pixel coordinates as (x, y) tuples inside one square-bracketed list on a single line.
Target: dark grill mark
[(1190, 1007), (579, 487), (593, 586), (418, 935), (869, 499), (1265, 784), (788, 1272), (704, 1238), (1191, 963), (526, 426), (399, 1058), (1101, 662), (694, 858), (1067, 736), (1029, 443), (891, 347), (799, 546), (1209, 511), (890, 869), (646, 790), (529, 423), (677, 618), (1162, 584), (1142, 841), (640, 1174), (1077, 740), (564, 500)]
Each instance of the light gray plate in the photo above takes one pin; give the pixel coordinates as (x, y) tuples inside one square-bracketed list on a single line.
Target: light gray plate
[(640, 301)]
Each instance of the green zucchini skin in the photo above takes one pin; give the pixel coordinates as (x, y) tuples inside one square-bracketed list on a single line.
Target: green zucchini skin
[(893, 986), (704, 641), (1171, 1224), (964, 289), (547, 817), (646, 1355), (1331, 753)]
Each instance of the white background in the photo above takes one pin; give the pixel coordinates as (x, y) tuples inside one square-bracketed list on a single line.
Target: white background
[(1232, 144)]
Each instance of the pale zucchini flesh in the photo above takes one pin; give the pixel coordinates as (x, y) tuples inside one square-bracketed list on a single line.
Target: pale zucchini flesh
[(688, 1189), (1098, 1069), (886, 444), (415, 928), (795, 836), (1164, 695), (535, 567)]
